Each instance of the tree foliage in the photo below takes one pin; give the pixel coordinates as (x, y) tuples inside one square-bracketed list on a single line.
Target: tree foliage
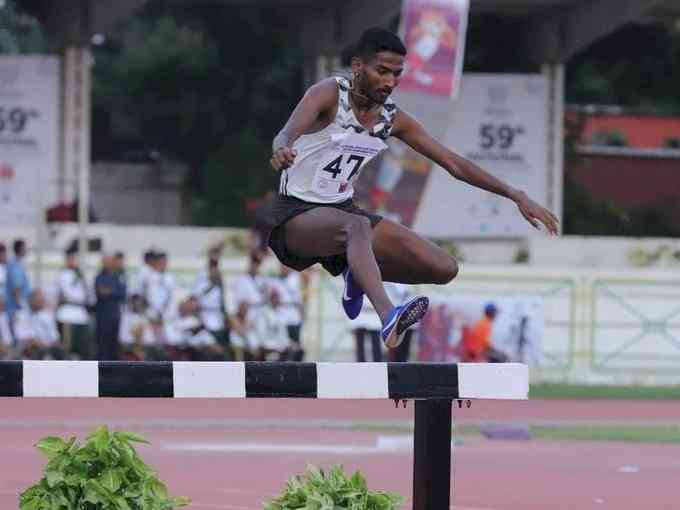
[(636, 66), (19, 32), (202, 83)]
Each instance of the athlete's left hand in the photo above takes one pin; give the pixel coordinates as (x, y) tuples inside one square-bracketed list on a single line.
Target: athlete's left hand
[(535, 213)]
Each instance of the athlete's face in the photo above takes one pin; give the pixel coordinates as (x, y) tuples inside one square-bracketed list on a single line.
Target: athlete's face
[(380, 75)]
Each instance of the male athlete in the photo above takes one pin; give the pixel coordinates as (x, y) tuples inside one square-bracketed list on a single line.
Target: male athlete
[(337, 127)]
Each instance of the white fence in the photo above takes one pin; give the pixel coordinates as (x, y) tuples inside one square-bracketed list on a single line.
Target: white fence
[(618, 326)]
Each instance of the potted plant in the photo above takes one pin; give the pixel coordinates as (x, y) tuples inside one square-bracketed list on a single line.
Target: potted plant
[(105, 473), (332, 490)]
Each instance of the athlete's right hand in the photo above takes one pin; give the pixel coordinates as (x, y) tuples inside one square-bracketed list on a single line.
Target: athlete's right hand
[(282, 158)]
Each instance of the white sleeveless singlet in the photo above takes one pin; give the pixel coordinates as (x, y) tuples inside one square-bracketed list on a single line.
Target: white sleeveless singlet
[(329, 161)]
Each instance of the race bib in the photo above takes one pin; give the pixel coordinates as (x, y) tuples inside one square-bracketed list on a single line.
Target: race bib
[(347, 156)]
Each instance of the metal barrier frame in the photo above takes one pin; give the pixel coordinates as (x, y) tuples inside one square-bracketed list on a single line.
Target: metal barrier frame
[(434, 386)]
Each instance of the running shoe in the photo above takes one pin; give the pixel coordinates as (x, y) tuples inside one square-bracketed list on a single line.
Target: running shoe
[(352, 295), (401, 318)]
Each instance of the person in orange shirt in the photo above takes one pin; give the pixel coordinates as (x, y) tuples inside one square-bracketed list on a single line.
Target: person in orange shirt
[(476, 341)]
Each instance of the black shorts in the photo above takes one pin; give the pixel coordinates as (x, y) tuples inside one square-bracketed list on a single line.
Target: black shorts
[(284, 209)]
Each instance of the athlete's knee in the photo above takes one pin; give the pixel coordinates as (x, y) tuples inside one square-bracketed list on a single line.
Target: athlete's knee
[(358, 226), (444, 270)]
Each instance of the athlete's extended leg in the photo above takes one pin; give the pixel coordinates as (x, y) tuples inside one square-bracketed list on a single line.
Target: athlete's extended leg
[(326, 231), (405, 257)]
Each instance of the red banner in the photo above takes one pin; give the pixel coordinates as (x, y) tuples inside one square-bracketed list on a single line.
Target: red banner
[(434, 34)]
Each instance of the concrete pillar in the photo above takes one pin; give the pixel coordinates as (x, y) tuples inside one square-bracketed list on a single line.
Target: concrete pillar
[(76, 133), (555, 75), (326, 30), (69, 23)]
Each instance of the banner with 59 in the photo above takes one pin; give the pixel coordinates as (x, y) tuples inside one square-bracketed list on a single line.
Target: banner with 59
[(29, 137)]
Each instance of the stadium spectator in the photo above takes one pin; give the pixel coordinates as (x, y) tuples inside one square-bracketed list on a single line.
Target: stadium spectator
[(250, 288), (18, 287), (242, 333), (476, 341), (159, 294), (188, 338), (3, 270), (141, 281), (400, 293), (209, 290), (72, 315), (110, 292), (260, 212), (137, 339), (35, 330), (289, 288), (271, 330), (367, 326), (6, 340), (119, 268)]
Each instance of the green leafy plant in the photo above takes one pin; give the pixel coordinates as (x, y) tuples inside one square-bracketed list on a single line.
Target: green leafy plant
[(106, 473), (318, 490)]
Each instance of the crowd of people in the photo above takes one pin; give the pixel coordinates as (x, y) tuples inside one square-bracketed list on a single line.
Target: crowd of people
[(146, 316)]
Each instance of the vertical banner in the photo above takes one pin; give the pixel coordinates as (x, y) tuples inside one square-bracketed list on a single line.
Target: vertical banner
[(29, 137), (501, 124), (434, 34)]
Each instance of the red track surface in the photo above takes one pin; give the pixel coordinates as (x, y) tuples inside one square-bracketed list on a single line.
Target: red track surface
[(489, 475)]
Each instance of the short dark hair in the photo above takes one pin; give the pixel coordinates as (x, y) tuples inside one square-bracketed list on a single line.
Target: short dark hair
[(374, 40), (18, 246)]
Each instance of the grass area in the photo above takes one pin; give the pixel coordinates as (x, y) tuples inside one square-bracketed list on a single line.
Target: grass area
[(623, 432), (629, 434), (570, 391)]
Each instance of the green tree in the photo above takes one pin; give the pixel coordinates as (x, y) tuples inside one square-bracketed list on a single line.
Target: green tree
[(200, 83), (230, 176), (20, 33), (636, 66)]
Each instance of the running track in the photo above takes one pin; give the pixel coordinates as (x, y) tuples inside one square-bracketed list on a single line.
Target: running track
[(233, 454)]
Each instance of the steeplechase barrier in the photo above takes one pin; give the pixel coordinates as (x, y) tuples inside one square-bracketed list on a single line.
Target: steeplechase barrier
[(433, 387)]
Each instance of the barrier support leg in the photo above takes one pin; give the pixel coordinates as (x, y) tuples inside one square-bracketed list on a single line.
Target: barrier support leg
[(432, 455)]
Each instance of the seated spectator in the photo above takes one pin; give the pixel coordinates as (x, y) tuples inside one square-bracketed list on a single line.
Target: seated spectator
[(6, 338), (271, 331), (36, 330), (209, 290), (250, 287), (188, 338), (136, 336), (242, 333), (289, 287)]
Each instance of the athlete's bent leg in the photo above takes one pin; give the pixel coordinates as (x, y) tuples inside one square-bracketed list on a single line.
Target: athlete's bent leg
[(405, 257), (326, 231)]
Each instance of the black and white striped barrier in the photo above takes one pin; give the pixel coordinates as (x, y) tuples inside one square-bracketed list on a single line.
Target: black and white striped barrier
[(403, 381), (433, 385)]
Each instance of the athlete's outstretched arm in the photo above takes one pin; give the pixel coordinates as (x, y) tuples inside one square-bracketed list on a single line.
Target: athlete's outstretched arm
[(412, 132), (317, 101)]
